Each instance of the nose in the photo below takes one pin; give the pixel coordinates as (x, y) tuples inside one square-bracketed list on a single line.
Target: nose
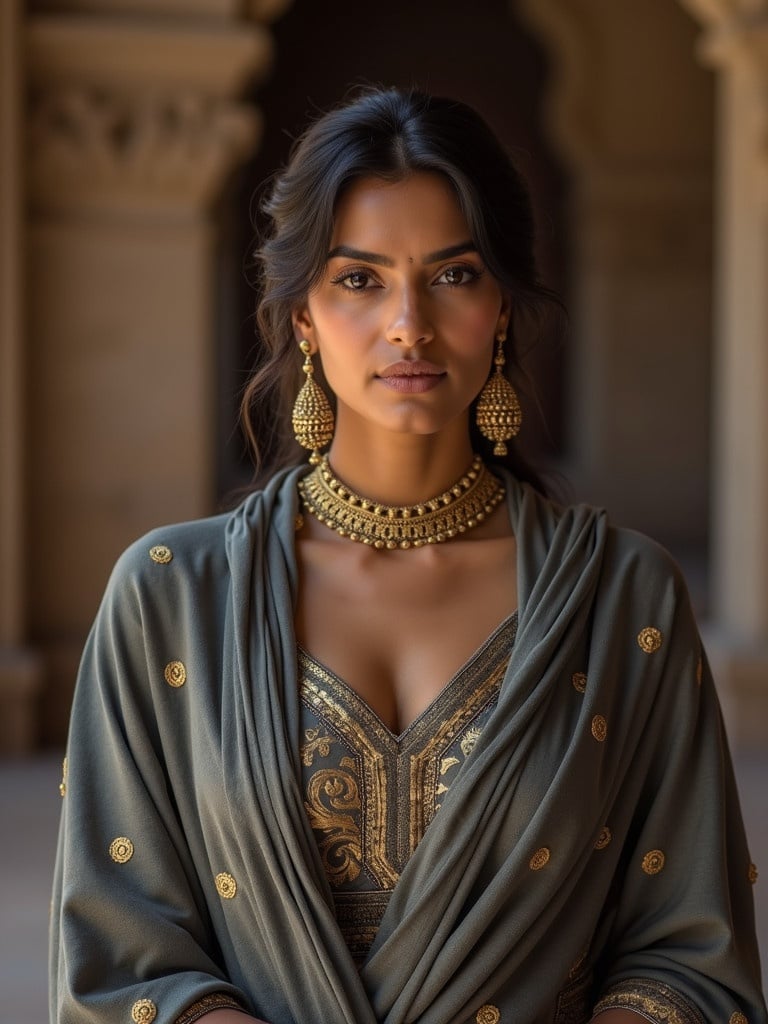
[(410, 324)]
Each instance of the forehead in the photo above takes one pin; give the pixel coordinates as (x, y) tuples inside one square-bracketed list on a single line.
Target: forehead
[(420, 212)]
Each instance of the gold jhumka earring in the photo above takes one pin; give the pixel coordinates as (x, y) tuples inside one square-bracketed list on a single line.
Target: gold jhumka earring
[(312, 414), (498, 413)]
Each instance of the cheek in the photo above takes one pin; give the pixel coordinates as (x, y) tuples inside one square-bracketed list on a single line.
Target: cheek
[(475, 323), (340, 320)]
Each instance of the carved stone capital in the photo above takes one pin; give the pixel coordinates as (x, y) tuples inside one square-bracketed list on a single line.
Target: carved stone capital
[(132, 114), (94, 150), (735, 43), (735, 32)]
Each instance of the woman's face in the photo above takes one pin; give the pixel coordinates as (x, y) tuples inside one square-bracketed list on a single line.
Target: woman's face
[(406, 313)]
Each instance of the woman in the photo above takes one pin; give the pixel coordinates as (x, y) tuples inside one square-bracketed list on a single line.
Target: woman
[(399, 739)]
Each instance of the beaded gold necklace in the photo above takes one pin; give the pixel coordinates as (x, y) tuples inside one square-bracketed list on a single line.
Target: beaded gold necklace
[(460, 508)]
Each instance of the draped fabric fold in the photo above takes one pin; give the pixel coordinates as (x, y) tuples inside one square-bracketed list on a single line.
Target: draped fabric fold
[(592, 837)]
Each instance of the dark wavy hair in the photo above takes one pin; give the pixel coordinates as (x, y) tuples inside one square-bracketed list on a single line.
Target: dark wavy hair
[(387, 134)]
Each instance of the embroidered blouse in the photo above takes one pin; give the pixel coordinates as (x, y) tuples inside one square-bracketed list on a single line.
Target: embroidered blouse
[(370, 794)]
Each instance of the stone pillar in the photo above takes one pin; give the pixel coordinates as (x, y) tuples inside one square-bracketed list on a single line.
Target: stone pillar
[(735, 43), (134, 125), (629, 113), (20, 668)]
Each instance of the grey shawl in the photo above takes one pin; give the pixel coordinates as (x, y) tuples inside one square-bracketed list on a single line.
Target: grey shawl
[(593, 839)]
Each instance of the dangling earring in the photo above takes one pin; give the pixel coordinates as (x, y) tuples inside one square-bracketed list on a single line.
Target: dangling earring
[(498, 410), (312, 415)]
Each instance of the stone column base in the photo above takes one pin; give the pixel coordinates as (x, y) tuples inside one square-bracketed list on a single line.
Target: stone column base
[(21, 680), (741, 675)]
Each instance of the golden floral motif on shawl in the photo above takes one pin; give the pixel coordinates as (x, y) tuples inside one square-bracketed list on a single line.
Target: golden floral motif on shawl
[(226, 886), (579, 680), (654, 1000), (604, 838), (599, 728), (143, 1011), (540, 859), (64, 772), (175, 673), (653, 862), (161, 554), (752, 873), (121, 850), (315, 744), (488, 1014), (737, 1018), (649, 639), (331, 794)]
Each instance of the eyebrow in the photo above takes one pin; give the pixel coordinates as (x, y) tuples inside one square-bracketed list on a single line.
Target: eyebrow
[(348, 252)]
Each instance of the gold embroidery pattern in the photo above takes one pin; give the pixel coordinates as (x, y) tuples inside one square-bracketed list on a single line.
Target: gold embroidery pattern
[(64, 773), (752, 873), (649, 639), (226, 886), (488, 1014), (653, 862), (214, 1001), (316, 744), (657, 1002), (540, 859), (599, 728), (371, 772), (579, 680), (121, 850), (413, 761), (387, 787), (161, 554), (331, 795), (604, 838), (737, 1018), (471, 736), (175, 673), (425, 766), (143, 1011), (359, 915)]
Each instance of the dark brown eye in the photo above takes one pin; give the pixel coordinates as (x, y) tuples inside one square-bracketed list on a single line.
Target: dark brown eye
[(353, 280), (458, 276)]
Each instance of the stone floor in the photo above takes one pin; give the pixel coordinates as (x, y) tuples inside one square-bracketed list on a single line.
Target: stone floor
[(29, 806)]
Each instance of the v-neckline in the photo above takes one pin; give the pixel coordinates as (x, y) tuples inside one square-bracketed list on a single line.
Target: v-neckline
[(400, 739)]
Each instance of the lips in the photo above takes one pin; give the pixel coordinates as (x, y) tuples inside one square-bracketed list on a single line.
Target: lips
[(412, 368), (411, 377)]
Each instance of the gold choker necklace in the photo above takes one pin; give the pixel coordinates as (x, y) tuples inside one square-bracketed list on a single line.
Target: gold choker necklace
[(460, 508)]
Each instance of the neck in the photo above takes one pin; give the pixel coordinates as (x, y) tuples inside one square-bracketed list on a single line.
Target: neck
[(400, 469)]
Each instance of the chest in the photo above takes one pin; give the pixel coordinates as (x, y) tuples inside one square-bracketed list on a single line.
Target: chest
[(396, 628)]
